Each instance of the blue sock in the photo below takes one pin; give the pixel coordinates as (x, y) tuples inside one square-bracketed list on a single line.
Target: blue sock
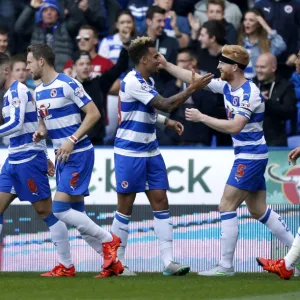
[(59, 206), (50, 220), (79, 206)]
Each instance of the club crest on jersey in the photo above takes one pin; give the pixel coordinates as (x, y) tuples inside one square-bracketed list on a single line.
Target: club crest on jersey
[(32, 187), (124, 184), (235, 100), (79, 92), (245, 104), (146, 87), (16, 102), (53, 93), (44, 111)]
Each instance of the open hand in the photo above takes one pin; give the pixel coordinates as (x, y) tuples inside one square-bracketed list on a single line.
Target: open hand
[(294, 155), (200, 82), (193, 114), (175, 126), (194, 23), (36, 3), (63, 153)]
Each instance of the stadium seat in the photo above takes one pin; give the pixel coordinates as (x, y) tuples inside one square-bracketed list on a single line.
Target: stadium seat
[(294, 141)]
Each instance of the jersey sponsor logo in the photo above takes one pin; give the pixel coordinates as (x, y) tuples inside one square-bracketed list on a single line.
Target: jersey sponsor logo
[(146, 87), (44, 111), (245, 104), (268, 9), (79, 92), (32, 187), (74, 180), (16, 102), (53, 93), (290, 182), (288, 9), (124, 184)]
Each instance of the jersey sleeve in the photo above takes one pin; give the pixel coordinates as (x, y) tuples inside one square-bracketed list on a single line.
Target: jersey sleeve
[(216, 86), (249, 104), (74, 90), (140, 91), (17, 107)]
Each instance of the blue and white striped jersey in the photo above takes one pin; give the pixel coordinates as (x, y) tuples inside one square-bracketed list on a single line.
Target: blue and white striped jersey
[(59, 104), (20, 122), (136, 135), (110, 47), (247, 101)]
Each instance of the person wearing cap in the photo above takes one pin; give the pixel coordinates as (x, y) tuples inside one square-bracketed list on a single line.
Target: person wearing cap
[(245, 112), (98, 87), (49, 29)]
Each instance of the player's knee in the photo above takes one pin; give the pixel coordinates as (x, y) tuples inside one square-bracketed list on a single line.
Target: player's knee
[(256, 214), (43, 212), (160, 203), (226, 205)]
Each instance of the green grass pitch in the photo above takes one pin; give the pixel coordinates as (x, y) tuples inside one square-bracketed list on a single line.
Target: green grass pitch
[(245, 286)]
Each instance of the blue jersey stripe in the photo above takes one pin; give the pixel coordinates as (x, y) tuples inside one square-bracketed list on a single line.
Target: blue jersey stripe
[(123, 83), (63, 132), (253, 149), (15, 123), (138, 126), (134, 146), (136, 105), (30, 117), (64, 111), (20, 140), (50, 93), (248, 136), (256, 117)]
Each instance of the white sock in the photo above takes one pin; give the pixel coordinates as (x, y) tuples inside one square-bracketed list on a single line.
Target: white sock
[(120, 228), (229, 237), (1, 225), (163, 229), (83, 224), (293, 256), (277, 227), (60, 239)]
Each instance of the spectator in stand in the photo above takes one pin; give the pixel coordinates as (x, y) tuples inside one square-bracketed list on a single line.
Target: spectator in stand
[(194, 133), (258, 37), (215, 11), (167, 46), (48, 29), (98, 87), (111, 46), (4, 41), (18, 66), (87, 40), (232, 13), (296, 77), (279, 97), (175, 26), (139, 9), (284, 16), (208, 46)]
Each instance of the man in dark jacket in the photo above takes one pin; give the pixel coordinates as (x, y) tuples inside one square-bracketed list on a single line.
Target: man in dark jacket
[(98, 87), (280, 100)]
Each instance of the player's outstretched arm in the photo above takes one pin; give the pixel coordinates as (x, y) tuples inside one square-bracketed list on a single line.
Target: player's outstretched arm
[(179, 73), (171, 103), (226, 126), (294, 155)]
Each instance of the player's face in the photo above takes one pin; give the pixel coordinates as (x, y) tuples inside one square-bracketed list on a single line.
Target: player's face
[(125, 23), (49, 15), (250, 23), (215, 12), (3, 42), (264, 69), (33, 67), (86, 41), (297, 63), (151, 60), (19, 71), (165, 4), (157, 24), (226, 71), (204, 38), (83, 68), (184, 61)]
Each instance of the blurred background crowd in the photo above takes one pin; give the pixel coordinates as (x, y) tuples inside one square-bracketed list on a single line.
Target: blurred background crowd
[(87, 37)]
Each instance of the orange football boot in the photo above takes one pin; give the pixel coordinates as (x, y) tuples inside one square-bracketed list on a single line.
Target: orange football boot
[(275, 266), (114, 270), (110, 251), (60, 271)]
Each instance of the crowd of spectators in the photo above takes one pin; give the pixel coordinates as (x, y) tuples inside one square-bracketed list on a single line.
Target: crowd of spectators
[(88, 38)]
